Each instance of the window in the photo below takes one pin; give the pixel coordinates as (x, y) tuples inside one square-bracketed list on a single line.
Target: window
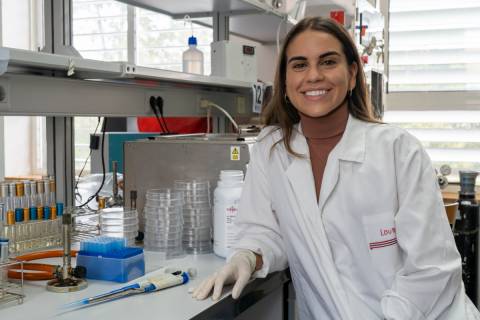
[(449, 137), (161, 40), (434, 45), (100, 29), (434, 52), (23, 138), (22, 24)]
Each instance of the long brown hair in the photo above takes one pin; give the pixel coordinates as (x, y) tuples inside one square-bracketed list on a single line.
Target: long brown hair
[(281, 113)]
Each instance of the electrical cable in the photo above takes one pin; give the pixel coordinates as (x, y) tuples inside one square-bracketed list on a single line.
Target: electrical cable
[(155, 111), (159, 102), (104, 127)]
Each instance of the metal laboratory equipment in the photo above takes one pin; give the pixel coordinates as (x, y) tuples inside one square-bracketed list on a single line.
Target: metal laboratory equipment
[(466, 232), (159, 161)]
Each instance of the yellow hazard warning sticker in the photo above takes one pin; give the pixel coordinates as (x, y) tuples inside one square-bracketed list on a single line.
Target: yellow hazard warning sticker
[(235, 153)]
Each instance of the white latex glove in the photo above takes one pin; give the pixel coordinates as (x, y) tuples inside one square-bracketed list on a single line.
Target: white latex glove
[(238, 270)]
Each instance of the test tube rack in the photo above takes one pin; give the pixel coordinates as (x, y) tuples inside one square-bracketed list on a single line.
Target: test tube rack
[(10, 292), (33, 235)]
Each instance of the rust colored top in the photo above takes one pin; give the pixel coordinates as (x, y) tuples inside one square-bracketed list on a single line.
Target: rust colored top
[(323, 134)]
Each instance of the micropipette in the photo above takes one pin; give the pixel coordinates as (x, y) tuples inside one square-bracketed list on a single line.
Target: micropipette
[(152, 284)]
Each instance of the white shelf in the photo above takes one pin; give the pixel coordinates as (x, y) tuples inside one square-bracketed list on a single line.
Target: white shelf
[(93, 69), (253, 19)]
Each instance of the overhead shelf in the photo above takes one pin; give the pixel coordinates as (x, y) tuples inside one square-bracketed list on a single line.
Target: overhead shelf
[(253, 19), (33, 83), (76, 67)]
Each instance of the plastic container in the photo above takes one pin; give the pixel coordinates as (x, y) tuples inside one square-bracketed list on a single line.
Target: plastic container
[(192, 58), (225, 208), (107, 258), (122, 268)]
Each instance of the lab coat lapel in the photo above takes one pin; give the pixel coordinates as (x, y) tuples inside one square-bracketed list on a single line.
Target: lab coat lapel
[(351, 147), (299, 173)]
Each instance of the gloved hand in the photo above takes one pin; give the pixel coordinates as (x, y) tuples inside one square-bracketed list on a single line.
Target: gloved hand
[(238, 270)]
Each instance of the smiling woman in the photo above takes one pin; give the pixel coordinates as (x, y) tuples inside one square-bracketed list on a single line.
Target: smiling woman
[(318, 76), (351, 205)]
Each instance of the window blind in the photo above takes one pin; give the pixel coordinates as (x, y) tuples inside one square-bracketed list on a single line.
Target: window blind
[(434, 45)]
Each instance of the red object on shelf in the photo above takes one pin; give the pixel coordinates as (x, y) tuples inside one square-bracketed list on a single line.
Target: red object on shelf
[(175, 125), (338, 16), (364, 59)]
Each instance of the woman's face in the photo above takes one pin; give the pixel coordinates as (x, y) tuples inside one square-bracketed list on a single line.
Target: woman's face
[(318, 75)]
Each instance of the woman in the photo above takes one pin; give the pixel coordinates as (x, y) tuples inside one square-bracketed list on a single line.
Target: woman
[(350, 203)]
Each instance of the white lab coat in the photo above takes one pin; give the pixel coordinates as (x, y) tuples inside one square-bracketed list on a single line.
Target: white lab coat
[(376, 244)]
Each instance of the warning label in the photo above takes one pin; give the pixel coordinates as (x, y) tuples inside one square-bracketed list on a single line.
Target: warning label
[(235, 153)]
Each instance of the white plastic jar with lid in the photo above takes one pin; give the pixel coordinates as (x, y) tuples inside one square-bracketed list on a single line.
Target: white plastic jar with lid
[(225, 209)]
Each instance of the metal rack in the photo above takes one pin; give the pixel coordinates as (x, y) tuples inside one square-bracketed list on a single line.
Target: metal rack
[(10, 292), (33, 235)]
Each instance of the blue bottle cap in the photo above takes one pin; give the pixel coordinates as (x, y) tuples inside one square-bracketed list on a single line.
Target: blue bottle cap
[(18, 215), (46, 213), (59, 209), (33, 213), (192, 41)]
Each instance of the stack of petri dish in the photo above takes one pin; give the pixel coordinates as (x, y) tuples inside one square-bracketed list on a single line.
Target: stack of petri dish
[(164, 222), (119, 223), (197, 215)]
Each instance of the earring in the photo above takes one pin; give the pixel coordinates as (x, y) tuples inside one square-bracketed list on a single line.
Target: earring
[(350, 93)]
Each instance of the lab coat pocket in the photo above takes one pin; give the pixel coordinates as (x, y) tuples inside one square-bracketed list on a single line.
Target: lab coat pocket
[(381, 236)]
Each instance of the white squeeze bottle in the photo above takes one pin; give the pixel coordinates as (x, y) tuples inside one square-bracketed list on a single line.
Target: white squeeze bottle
[(225, 208), (193, 58)]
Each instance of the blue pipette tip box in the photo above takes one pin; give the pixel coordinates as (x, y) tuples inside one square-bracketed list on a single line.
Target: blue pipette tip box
[(108, 259)]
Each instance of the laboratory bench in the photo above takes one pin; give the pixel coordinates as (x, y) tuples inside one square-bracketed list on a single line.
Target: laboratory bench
[(261, 299)]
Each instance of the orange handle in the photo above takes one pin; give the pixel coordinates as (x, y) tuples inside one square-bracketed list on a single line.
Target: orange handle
[(39, 271)]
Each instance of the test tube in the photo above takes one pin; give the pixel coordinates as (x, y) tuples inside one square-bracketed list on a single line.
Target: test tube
[(3, 259), (4, 251), (26, 200), (46, 199), (33, 201), (39, 202), (16, 193), (3, 200), (53, 198), (9, 210)]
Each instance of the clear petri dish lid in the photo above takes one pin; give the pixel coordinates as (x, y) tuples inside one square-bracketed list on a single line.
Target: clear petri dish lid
[(118, 213), (191, 185), (164, 194), (162, 211), (160, 203), (197, 205), (156, 229), (119, 228), (205, 197), (118, 221)]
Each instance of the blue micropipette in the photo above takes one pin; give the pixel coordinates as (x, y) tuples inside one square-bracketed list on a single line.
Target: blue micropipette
[(152, 284)]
